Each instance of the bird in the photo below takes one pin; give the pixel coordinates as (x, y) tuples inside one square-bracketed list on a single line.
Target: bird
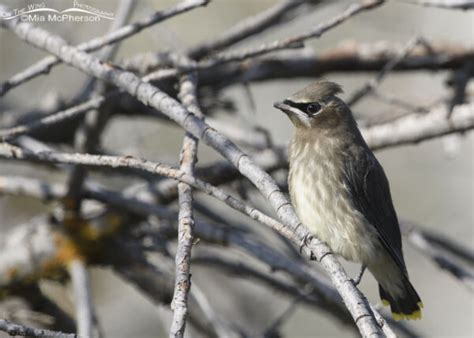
[(341, 193)]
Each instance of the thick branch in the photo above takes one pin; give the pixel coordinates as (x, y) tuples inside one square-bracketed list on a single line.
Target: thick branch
[(82, 297), (415, 128), (448, 4), (21, 330), (348, 57)]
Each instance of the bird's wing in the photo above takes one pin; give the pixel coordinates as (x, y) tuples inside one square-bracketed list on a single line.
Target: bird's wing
[(369, 188)]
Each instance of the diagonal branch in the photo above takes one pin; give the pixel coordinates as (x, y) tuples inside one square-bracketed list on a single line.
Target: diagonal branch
[(421, 242), (290, 42), (389, 66), (248, 27)]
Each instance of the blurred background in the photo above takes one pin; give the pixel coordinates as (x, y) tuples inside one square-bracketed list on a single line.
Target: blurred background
[(432, 183)]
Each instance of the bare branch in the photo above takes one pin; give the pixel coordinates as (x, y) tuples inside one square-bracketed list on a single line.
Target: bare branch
[(21, 330), (415, 128), (83, 300), (188, 160), (421, 242), (349, 57), (449, 245), (53, 119), (448, 4)]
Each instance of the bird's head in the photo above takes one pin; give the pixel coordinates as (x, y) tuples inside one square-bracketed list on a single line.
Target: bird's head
[(316, 107)]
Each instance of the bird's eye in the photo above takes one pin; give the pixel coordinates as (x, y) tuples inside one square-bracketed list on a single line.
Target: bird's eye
[(313, 108)]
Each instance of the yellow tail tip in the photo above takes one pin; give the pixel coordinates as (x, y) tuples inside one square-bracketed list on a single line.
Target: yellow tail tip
[(407, 316)]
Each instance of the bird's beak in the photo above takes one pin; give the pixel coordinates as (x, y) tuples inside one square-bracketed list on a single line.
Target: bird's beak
[(295, 115)]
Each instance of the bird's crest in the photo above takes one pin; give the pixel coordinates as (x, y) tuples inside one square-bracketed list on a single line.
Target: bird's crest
[(316, 91)]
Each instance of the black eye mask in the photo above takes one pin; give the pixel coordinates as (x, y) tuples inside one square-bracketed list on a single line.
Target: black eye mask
[(311, 108)]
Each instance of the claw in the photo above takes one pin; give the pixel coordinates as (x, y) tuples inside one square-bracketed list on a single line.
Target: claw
[(304, 243), (361, 274)]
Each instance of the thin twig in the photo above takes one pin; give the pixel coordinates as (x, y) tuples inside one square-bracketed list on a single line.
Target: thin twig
[(272, 329), (248, 27), (394, 101), (369, 86), (122, 15), (51, 120)]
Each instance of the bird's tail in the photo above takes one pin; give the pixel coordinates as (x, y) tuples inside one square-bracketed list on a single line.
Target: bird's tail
[(407, 306)]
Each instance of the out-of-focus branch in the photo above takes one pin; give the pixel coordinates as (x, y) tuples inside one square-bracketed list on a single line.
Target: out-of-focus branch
[(293, 41), (20, 330), (51, 120), (247, 28), (45, 65), (415, 128), (349, 57), (157, 282), (87, 139), (369, 86), (122, 15), (41, 303), (82, 298), (421, 242), (449, 245), (448, 4)]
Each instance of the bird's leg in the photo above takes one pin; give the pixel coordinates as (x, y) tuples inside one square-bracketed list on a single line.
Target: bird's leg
[(304, 243), (361, 273)]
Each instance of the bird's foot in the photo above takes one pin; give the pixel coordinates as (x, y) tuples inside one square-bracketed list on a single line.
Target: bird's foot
[(359, 277), (304, 243)]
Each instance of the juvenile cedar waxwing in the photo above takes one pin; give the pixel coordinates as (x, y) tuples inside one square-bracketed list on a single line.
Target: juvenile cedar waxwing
[(341, 193)]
